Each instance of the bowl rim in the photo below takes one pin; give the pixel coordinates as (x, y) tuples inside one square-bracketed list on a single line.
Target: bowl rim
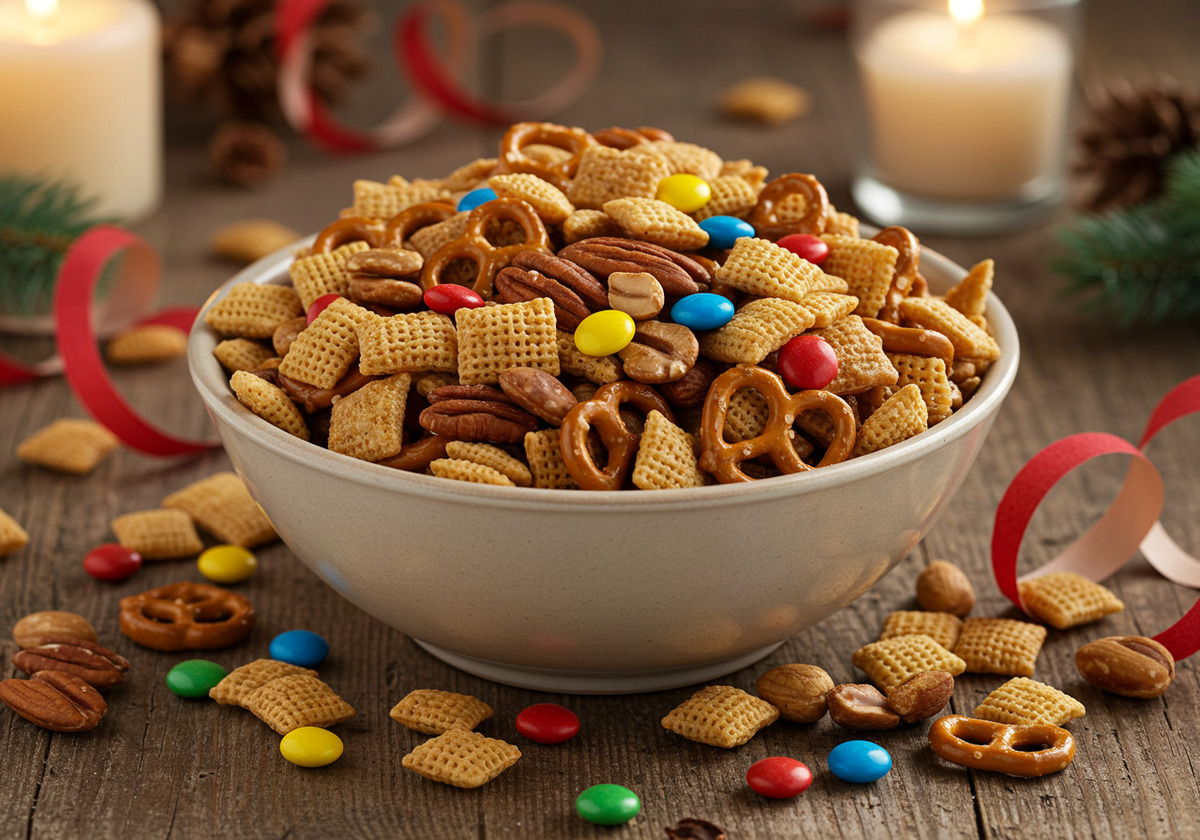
[(212, 383)]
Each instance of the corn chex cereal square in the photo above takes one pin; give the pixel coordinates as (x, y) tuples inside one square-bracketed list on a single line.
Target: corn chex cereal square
[(269, 402), (827, 307), (428, 240), (548, 201), (757, 329), (584, 224), (683, 157), (598, 369), (244, 680), (746, 416), (68, 445), (12, 535), (408, 342), (759, 267), (323, 274), (890, 662), (862, 364), (866, 266), (929, 374), (460, 469), (382, 201), (666, 457), (1025, 702), (969, 295), (158, 534), (651, 220), (720, 716), (289, 702), (254, 310), (221, 505), (368, 423), (605, 174), (487, 455), (492, 339), (145, 344), (942, 627), (901, 416), (842, 224), (462, 758), (326, 349), (970, 340), (732, 195), (543, 451), (1067, 599), (242, 353), (434, 712), (469, 175), (1000, 646)]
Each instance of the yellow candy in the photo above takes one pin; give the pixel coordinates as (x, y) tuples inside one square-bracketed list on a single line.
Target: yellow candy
[(227, 563), (604, 333), (686, 193), (311, 746)]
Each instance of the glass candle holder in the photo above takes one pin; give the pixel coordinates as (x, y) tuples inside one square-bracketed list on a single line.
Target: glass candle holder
[(967, 111)]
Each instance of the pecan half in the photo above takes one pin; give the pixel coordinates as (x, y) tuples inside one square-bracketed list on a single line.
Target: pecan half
[(476, 412), (539, 393), (677, 273), (660, 352), (575, 292), (690, 390), (375, 277), (286, 333), (55, 700), (94, 664)]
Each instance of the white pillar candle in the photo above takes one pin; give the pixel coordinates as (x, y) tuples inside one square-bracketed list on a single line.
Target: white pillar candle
[(971, 110), (80, 98)]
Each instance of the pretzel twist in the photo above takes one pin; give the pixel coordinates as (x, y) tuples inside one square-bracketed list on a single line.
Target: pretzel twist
[(602, 413), (349, 229), (186, 616), (1026, 751), (512, 157), (905, 274), (722, 459), (916, 341), (412, 218), (764, 215)]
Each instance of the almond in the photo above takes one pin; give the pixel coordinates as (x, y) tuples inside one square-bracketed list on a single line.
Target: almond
[(1132, 666)]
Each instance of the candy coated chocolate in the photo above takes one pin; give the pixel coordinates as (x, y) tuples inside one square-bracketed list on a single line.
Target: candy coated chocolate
[(859, 761), (605, 332), (685, 192), (806, 246), (723, 231), (807, 362), (318, 306), (227, 563), (547, 723), (195, 677), (311, 746), (779, 777), (299, 647), (111, 562), (702, 311), (608, 804), (448, 298), (474, 198)]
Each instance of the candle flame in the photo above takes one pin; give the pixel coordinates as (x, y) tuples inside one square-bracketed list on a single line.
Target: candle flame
[(41, 11), (964, 12)]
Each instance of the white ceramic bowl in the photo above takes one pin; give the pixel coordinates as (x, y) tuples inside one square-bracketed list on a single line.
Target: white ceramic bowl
[(600, 592)]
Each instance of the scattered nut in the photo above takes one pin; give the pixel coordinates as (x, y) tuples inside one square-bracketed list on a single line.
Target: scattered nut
[(1132, 666), (942, 587), (858, 707), (921, 696), (28, 631), (251, 239), (55, 700), (798, 691), (96, 665)]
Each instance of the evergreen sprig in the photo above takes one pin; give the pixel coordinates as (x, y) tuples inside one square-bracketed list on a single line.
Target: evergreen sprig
[(39, 219), (1140, 264)]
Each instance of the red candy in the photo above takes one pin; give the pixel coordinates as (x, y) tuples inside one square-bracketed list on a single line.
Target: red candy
[(318, 306), (111, 562), (547, 723), (779, 777), (807, 362), (806, 246), (447, 298)]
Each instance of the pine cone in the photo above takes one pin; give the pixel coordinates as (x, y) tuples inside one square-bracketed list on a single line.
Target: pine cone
[(1132, 132)]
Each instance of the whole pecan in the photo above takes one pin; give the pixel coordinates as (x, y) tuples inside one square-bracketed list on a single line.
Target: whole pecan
[(677, 273), (476, 412), (532, 274), (94, 664), (55, 700)]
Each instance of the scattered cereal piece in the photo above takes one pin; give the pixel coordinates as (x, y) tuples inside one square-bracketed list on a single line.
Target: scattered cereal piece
[(1023, 702), (942, 627), (1000, 646), (969, 295), (433, 712), (408, 343), (251, 239), (146, 344), (969, 340), (243, 681), (720, 716), (891, 661), (550, 203), (287, 703), (12, 535), (462, 758), (766, 100), (223, 506), (158, 534), (69, 446), (1067, 599)]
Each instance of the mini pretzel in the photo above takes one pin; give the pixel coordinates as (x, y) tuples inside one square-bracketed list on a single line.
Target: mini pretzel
[(412, 218), (913, 340), (722, 459), (512, 157), (418, 455), (764, 215), (473, 244), (602, 412), (905, 274), (1014, 750), (186, 616), (627, 138), (349, 229)]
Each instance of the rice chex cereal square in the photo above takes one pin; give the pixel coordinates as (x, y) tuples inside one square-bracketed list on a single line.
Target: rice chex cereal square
[(1025, 702), (492, 339), (1000, 646), (720, 716)]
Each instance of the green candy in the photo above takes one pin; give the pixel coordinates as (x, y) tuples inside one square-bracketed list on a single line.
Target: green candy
[(194, 677), (608, 804)]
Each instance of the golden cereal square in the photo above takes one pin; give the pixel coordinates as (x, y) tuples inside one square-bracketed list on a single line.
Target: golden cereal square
[(969, 295), (969, 339), (269, 402), (433, 712), (289, 702), (407, 343), (469, 175), (12, 535), (651, 220), (244, 680), (720, 716), (492, 339), (460, 469), (758, 267), (1000, 646), (605, 174), (866, 266), (253, 310), (368, 424), (146, 344), (843, 224), (756, 330), (158, 534), (747, 415), (487, 455), (942, 627), (543, 452), (666, 457), (890, 662), (221, 505), (683, 157), (862, 364), (236, 354), (427, 240), (597, 369), (1025, 702), (901, 416), (929, 374), (68, 445), (1067, 599), (732, 195), (462, 758), (323, 274), (382, 201), (326, 349), (827, 307), (584, 224), (550, 203)]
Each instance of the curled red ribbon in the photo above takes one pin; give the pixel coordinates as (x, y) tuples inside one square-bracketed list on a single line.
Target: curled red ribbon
[(1130, 523)]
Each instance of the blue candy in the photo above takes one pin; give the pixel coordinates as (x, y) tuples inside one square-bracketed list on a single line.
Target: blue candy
[(859, 761), (299, 647), (723, 231), (702, 311), (474, 198)]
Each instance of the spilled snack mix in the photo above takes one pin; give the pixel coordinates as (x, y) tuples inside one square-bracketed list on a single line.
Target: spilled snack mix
[(619, 312)]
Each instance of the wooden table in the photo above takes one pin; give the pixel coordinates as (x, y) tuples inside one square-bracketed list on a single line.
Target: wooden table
[(160, 767)]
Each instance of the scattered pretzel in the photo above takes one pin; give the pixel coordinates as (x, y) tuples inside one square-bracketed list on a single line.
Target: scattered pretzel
[(349, 229), (473, 244), (512, 157), (722, 458), (764, 215), (913, 340), (905, 275), (1026, 751), (418, 455), (412, 218), (602, 412), (186, 616)]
